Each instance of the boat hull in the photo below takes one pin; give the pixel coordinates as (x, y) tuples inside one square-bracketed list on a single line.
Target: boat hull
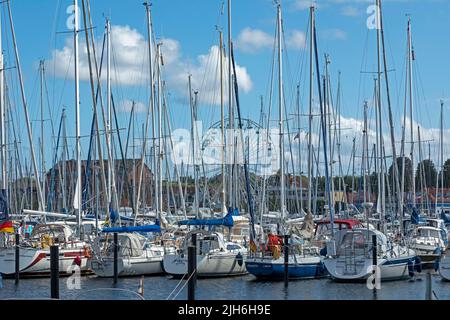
[(127, 267), (219, 264), (36, 262), (272, 269), (390, 269)]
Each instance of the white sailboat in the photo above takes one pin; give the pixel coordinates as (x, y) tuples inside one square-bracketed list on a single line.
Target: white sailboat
[(35, 252), (353, 258), (216, 257), (136, 256)]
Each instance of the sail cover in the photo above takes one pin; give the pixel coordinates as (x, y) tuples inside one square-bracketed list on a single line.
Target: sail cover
[(147, 228), (227, 221)]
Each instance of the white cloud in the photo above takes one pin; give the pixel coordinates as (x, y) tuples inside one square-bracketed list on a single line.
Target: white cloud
[(334, 34), (297, 40), (304, 4), (253, 40), (350, 11), (130, 65), (127, 105)]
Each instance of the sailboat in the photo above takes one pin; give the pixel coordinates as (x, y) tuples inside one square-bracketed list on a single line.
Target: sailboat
[(352, 259), (216, 257), (304, 259), (137, 255)]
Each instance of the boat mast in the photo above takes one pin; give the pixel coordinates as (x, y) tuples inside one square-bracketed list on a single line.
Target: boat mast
[(442, 155), (411, 106), (280, 105), (391, 123), (195, 205), (160, 133), (380, 142), (77, 115), (230, 116), (2, 117), (108, 106), (150, 108), (41, 69), (311, 88), (222, 125), (27, 117)]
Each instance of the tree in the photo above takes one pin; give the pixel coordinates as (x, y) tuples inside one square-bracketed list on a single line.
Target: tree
[(426, 169), (408, 172), (446, 174)]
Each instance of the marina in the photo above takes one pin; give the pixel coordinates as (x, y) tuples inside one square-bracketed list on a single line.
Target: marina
[(132, 171)]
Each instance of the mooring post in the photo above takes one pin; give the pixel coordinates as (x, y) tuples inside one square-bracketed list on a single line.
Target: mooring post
[(286, 260), (17, 256), (374, 250), (374, 261), (192, 265), (429, 290), (116, 254), (54, 272)]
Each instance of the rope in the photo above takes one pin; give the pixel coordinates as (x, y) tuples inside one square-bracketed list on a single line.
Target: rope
[(174, 297)]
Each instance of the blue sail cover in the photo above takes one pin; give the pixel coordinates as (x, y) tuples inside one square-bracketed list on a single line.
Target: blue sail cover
[(445, 218), (147, 228), (415, 218), (4, 216), (227, 221)]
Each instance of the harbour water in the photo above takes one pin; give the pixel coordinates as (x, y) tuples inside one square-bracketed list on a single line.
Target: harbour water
[(237, 288)]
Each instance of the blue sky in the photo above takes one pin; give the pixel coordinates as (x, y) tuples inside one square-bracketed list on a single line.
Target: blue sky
[(342, 32)]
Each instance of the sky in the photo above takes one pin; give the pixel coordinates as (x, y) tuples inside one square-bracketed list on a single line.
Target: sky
[(188, 31)]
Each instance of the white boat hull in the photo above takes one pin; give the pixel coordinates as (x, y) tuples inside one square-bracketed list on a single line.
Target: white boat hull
[(392, 269), (35, 261), (135, 266), (218, 264)]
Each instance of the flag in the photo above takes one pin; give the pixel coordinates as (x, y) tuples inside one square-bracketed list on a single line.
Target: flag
[(252, 246), (7, 226)]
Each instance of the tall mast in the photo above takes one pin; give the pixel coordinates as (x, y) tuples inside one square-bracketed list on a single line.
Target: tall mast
[(160, 141), (365, 153), (230, 115), (280, 105), (27, 117), (193, 140), (380, 142), (41, 69), (150, 108), (299, 148), (411, 106), (2, 116), (442, 153), (77, 115), (311, 88), (108, 105), (222, 125)]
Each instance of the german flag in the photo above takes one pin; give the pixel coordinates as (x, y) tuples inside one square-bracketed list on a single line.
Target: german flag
[(7, 226)]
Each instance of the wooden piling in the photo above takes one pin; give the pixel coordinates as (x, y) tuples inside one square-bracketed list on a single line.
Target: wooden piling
[(286, 261), (192, 265), (54, 272), (116, 257), (17, 259)]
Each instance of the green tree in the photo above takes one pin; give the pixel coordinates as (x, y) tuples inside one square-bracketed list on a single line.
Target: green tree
[(427, 170), (408, 172), (446, 174)]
